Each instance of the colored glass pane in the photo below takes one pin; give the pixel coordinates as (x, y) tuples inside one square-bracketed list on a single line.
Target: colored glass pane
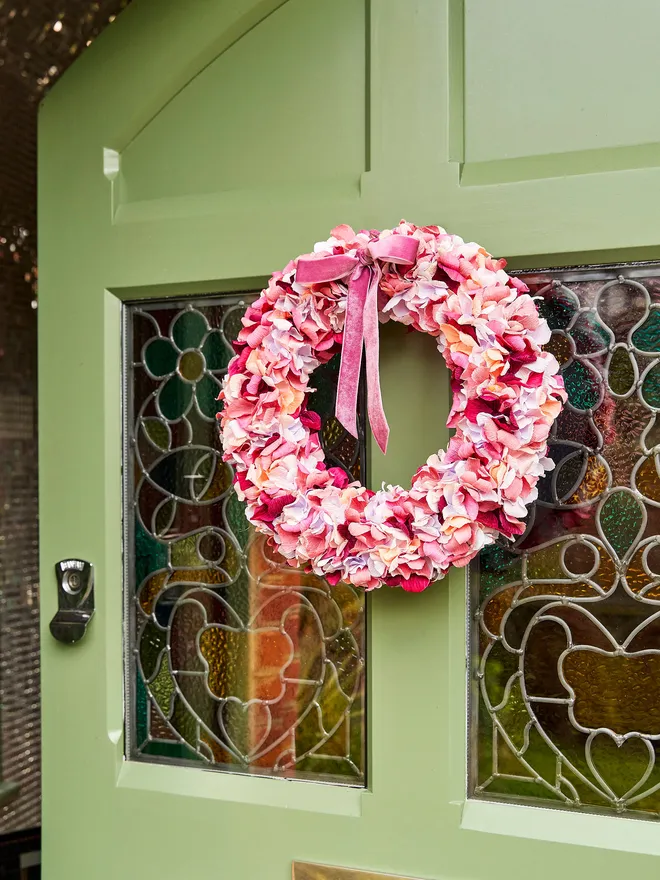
[(174, 398), (191, 365), (216, 351), (620, 519), (651, 387), (647, 338), (160, 357), (565, 646), (243, 663), (558, 307), (188, 329), (582, 385), (621, 373)]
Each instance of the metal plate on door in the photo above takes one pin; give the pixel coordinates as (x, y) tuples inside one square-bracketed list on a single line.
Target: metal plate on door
[(75, 597), (308, 871)]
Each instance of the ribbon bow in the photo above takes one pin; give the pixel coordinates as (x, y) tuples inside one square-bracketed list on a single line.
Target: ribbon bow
[(363, 272)]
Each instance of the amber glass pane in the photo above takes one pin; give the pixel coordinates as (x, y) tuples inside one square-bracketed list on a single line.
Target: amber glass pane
[(234, 660), (565, 703)]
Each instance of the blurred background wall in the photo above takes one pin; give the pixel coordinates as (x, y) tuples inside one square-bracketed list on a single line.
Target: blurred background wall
[(38, 41)]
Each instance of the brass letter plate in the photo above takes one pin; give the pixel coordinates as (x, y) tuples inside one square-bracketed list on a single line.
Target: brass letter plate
[(307, 871)]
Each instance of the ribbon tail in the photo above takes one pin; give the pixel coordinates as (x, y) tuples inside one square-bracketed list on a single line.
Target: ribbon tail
[(377, 419), (351, 356)]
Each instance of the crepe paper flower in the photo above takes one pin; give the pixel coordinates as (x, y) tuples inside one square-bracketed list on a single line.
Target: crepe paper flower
[(506, 395), (186, 364)]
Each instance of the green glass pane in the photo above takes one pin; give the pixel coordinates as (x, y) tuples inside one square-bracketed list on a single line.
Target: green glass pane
[(308, 732), (184, 552), (588, 334), (500, 666), (333, 701), (211, 547), (160, 357), (521, 788), (541, 757), (216, 351), (232, 325), (188, 330), (322, 400), (621, 775), (514, 716), (343, 659), (484, 745), (569, 473), (328, 767), (157, 432), (557, 309), (150, 555), (621, 518), (174, 398), (621, 376), (164, 518), (237, 521), (152, 643), (231, 561), (331, 432), (356, 735), (177, 751), (162, 686), (647, 338), (207, 391), (184, 723), (221, 478), (141, 726), (651, 387), (204, 707), (239, 593), (582, 386), (498, 566)]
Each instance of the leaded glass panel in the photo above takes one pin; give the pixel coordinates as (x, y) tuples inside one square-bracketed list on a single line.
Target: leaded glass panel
[(565, 623), (235, 661)]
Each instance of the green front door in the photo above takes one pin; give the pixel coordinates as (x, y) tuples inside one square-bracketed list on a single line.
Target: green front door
[(192, 151)]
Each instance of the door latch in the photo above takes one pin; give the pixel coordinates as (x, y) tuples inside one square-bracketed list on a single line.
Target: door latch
[(75, 598)]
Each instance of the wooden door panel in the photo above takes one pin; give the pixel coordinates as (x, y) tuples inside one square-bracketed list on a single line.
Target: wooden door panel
[(460, 113), (267, 111), (557, 79)]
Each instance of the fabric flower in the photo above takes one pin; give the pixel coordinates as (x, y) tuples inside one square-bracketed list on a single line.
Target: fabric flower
[(506, 395)]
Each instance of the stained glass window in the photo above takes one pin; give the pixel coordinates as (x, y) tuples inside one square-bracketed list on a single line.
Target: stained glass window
[(565, 624), (235, 661)]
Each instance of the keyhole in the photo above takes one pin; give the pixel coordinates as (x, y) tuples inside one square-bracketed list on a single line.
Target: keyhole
[(72, 582)]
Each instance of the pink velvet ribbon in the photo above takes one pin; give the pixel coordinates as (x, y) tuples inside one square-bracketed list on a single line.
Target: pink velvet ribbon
[(363, 272)]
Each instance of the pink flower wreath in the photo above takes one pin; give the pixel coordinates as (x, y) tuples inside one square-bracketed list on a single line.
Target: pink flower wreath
[(506, 395)]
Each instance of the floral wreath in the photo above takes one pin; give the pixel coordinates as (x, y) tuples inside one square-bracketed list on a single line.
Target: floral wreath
[(506, 395)]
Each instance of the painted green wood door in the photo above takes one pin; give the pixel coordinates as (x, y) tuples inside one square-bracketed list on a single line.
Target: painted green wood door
[(197, 147)]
